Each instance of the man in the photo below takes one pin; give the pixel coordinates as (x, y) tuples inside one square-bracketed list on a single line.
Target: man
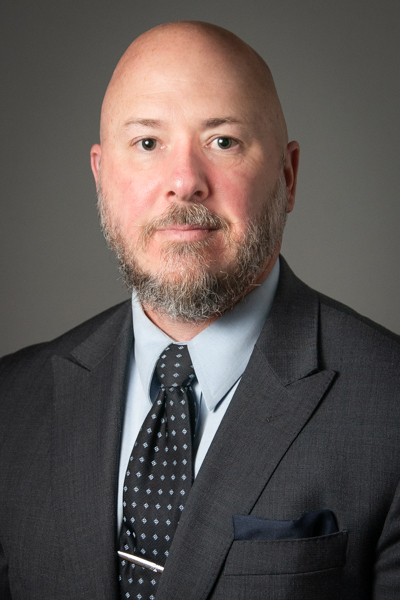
[(269, 469)]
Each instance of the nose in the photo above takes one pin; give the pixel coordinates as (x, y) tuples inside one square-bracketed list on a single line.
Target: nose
[(187, 178)]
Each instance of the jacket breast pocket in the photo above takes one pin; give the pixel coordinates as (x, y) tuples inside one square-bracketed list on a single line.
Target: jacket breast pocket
[(291, 569)]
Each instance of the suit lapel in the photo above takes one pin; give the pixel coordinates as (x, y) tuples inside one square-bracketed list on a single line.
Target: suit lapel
[(279, 391), (90, 389)]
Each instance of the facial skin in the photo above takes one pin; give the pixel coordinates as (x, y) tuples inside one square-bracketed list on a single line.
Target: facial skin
[(191, 116)]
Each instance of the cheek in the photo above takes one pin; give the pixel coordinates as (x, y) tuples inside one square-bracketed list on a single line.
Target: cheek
[(237, 196), (131, 197)]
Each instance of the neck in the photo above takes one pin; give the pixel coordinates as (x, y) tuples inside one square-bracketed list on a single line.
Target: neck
[(179, 331), (182, 331)]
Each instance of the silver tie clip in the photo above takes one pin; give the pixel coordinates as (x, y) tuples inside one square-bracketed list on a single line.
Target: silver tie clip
[(141, 562)]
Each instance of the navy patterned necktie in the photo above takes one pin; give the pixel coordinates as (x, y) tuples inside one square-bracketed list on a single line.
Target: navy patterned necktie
[(159, 475)]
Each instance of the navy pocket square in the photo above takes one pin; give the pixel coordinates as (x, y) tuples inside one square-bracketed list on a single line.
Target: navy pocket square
[(312, 524)]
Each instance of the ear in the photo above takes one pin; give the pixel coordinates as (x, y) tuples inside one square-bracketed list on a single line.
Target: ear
[(290, 169), (95, 157)]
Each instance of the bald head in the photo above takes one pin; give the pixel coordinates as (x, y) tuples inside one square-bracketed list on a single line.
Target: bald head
[(190, 49)]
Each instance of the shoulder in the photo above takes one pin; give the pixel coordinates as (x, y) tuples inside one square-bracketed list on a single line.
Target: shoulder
[(365, 357), (349, 332), (338, 324), (333, 335), (32, 358), (28, 377)]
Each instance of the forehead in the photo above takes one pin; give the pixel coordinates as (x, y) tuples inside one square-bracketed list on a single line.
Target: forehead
[(174, 95), (188, 77)]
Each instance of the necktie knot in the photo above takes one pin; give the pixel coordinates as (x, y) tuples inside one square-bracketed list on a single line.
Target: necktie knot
[(174, 367)]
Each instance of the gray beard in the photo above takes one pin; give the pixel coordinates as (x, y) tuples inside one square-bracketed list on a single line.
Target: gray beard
[(185, 288)]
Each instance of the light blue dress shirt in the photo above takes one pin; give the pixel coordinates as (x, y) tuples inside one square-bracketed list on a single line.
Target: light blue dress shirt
[(219, 354)]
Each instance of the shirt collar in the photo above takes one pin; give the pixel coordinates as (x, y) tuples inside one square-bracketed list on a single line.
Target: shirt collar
[(219, 353)]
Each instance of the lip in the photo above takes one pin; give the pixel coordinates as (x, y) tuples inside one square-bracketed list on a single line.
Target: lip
[(185, 228), (185, 232)]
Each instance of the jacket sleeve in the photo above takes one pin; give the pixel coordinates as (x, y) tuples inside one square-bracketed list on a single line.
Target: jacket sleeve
[(387, 566), (5, 593)]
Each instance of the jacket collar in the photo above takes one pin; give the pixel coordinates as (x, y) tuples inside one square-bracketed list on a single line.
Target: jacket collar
[(289, 339)]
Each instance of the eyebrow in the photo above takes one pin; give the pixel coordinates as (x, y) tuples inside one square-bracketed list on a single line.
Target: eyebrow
[(207, 124), (145, 122), (210, 123)]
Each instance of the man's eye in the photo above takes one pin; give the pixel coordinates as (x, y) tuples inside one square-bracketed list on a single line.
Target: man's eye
[(148, 144), (225, 143)]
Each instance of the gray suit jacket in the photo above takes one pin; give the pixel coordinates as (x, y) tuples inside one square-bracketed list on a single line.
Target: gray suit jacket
[(314, 424)]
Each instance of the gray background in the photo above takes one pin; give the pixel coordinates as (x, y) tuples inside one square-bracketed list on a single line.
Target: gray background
[(336, 66)]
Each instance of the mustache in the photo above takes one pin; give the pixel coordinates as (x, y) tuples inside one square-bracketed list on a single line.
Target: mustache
[(176, 214)]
